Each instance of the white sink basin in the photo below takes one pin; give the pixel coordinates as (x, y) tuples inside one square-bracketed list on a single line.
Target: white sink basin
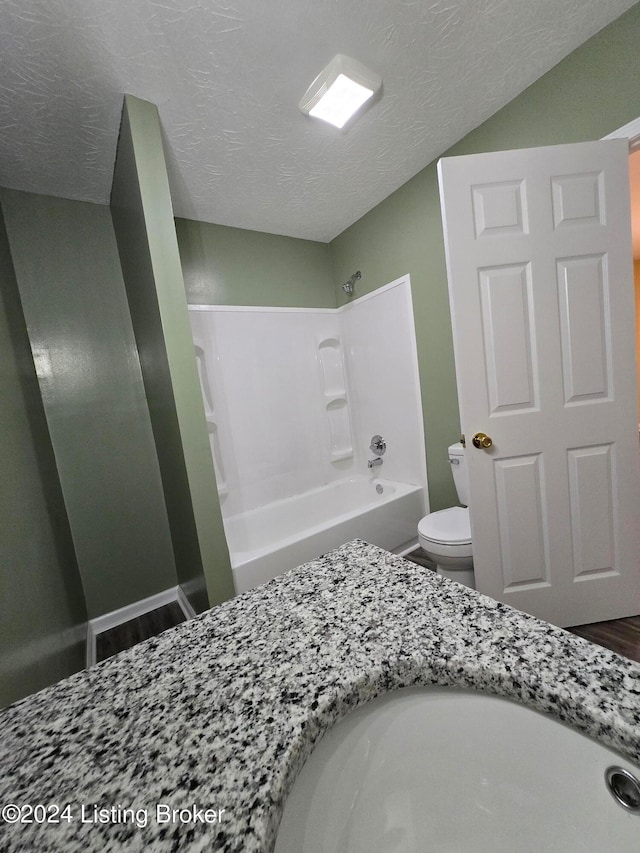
[(450, 771)]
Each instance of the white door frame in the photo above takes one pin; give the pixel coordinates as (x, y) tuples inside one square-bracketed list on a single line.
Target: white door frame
[(630, 131)]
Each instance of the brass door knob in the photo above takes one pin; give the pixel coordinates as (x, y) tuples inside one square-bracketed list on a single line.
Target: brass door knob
[(482, 441)]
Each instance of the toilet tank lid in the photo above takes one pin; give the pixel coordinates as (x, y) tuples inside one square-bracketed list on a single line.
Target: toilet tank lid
[(448, 526), (456, 449)]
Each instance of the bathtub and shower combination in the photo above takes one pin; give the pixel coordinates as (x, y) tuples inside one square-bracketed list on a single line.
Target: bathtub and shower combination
[(292, 398)]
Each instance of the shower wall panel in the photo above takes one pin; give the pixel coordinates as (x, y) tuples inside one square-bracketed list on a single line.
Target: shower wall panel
[(383, 370), (265, 401), (294, 396)]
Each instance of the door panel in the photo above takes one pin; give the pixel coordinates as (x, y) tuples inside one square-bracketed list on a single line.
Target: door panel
[(506, 306), (585, 327), (524, 547), (540, 280), (594, 518)]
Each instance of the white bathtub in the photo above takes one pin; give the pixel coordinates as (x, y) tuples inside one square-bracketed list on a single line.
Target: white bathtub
[(270, 540), (455, 771)]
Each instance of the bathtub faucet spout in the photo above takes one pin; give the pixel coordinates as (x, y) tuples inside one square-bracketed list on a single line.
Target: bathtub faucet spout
[(373, 463)]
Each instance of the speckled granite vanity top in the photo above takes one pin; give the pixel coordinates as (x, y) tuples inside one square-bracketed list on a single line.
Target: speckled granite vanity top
[(221, 712)]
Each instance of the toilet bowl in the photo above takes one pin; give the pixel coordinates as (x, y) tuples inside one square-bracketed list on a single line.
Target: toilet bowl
[(445, 535)]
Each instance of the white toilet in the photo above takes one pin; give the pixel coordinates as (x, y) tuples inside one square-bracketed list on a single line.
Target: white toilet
[(446, 535)]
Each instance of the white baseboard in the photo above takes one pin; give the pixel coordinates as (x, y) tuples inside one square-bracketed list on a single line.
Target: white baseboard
[(132, 611), (183, 601), (407, 548), (91, 646)]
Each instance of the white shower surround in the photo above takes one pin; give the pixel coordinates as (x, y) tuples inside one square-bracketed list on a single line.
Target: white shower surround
[(292, 398)]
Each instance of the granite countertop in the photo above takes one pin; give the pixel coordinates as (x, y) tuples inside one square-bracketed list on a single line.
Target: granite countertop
[(221, 712)]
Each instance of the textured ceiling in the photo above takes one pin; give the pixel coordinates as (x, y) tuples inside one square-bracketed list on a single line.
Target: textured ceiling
[(227, 78)]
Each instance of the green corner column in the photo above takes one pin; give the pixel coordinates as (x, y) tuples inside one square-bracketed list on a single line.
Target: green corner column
[(43, 617), (145, 232), (77, 317)]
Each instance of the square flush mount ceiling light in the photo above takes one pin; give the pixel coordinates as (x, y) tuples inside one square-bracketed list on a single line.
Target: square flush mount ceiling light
[(340, 90)]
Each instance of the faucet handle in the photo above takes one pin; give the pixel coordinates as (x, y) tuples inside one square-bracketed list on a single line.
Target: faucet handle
[(378, 445)]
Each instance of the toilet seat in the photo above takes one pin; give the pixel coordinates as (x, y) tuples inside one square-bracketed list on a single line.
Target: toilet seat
[(450, 526)]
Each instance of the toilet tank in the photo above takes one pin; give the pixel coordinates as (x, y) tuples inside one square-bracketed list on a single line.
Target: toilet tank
[(459, 471)]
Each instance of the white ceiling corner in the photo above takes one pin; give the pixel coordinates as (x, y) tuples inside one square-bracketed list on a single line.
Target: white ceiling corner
[(227, 78)]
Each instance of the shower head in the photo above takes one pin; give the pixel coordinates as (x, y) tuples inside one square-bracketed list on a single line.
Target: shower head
[(348, 285)]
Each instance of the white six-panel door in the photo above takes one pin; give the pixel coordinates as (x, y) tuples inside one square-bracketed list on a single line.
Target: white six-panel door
[(539, 263)]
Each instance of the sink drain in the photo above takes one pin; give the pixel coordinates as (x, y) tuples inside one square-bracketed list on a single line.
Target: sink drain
[(624, 786)]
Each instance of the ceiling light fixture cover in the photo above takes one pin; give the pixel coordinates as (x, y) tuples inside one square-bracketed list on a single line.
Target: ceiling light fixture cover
[(340, 90)]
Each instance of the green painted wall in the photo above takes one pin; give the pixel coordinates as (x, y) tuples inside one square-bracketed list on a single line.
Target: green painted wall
[(589, 94), (42, 609), (76, 311), (147, 243), (232, 266)]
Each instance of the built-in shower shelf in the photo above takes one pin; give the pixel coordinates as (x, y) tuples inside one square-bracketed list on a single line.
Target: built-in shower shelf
[(338, 456), (332, 368), (334, 389), (205, 382), (218, 466), (341, 445)]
